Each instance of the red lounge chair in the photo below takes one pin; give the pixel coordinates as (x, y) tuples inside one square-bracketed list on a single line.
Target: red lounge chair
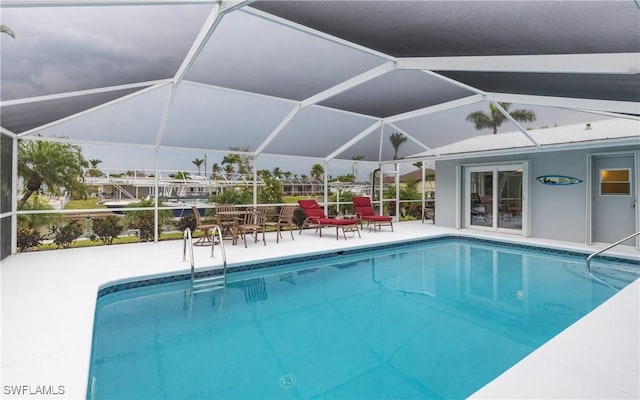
[(364, 210), (315, 216)]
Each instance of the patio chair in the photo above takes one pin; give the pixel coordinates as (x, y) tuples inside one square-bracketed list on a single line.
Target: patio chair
[(429, 213), (315, 216), (285, 220), (205, 239), (364, 210), (253, 224), (227, 218)]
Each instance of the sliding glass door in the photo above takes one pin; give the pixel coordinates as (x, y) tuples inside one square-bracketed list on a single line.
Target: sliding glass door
[(494, 197)]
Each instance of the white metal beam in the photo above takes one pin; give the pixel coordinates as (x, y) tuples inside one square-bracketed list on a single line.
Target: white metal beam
[(600, 63), (413, 139), (354, 140), (465, 101), (513, 121), (453, 82), (350, 83), (90, 110), (165, 117), (623, 107), (332, 91), (278, 129), (36, 99), (199, 43), (311, 31)]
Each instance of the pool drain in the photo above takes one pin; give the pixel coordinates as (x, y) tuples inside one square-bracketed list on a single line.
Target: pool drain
[(287, 380)]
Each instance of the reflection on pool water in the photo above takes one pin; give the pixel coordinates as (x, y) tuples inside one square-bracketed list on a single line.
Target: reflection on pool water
[(438, 319)]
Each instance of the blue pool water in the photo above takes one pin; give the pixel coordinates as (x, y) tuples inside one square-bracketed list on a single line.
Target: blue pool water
[(432, 320)]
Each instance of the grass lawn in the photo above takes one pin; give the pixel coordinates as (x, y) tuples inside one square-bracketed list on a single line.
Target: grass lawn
[(83, 204)]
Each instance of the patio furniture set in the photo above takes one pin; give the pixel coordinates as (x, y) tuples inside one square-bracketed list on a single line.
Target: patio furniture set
[(236, 223)]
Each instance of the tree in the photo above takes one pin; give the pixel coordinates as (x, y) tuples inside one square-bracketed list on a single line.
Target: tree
[(215, 171), (397, 139), (94, 162), (242, 161), (270, 192), (180, 175), (229, 171), (495, 118), (94, 171), (54, 165), (144, 219), (198, 163), (276, 172), (317, 171), (417, 164)]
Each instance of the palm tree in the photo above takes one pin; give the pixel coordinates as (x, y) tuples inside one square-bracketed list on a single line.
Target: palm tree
[(198, 162), (215, 171), (317, 171), (276, 172), (94, 171), (229, 171), (397, 139), (51, 164), (495, 119), (417, 164)]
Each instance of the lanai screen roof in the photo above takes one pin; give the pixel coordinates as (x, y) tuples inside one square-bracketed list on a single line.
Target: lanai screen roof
[(322, 79)]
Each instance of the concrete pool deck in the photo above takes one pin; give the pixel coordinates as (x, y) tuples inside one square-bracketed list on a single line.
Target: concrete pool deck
[(48, 302)]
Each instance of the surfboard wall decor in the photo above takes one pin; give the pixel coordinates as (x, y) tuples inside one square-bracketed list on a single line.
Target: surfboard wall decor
[(558, 180)]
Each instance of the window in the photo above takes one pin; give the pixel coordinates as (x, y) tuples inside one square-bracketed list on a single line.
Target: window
[(615, 182)]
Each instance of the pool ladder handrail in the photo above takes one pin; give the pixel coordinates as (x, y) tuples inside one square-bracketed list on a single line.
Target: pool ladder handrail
[(216, 228), (187, 236), (607, 248)]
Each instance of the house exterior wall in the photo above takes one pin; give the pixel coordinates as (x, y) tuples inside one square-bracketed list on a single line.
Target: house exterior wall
[(555, 212)]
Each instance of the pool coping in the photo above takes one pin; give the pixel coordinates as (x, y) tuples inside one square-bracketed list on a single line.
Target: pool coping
[(203, 272)]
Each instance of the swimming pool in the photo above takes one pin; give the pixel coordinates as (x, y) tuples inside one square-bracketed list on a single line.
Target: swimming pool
[(437, 319)]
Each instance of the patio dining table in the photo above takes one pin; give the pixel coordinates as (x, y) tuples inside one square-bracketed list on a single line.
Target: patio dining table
[(229, 221)]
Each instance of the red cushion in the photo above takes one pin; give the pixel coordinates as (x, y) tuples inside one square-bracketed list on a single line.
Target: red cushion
[(362, 211), (315, 212), (308, 203), (361, 201)]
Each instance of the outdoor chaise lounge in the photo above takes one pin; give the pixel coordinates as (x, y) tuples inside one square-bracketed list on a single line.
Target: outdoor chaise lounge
[(316, 216), (364, 210)]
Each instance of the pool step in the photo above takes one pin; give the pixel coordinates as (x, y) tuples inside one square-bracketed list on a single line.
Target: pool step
[(208, 284)]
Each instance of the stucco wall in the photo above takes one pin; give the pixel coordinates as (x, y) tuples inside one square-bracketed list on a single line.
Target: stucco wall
[(556, 212)]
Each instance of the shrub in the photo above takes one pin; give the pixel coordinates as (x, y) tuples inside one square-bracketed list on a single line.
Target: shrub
[(299, 217), (144, 219), (144, 222), (28, 237), (106, 229), (186, 221), (65, 236)]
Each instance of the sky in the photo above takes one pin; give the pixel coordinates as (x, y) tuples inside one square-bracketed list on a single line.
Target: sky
[(76, 48)]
